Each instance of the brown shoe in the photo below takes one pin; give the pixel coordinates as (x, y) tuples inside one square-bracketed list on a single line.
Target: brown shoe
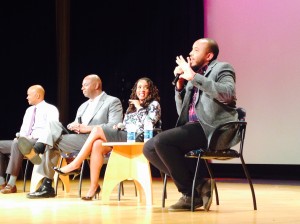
[(2, 186), (9, 189)]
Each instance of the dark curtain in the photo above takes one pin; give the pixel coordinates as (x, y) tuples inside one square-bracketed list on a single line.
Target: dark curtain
[(119, 40), (125, 40), (28, 57)]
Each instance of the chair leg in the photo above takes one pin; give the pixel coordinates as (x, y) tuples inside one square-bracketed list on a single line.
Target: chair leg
[(80, 178), (56, 185), (25, 176), (7, 178), (213, 178), (250, 182), (121, 189), (164, 195), (162, 175), (194, 184)]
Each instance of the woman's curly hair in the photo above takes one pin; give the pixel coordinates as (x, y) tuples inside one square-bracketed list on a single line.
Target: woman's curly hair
[(153, 95)]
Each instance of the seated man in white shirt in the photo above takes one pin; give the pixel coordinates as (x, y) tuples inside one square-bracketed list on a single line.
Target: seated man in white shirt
[(34, 127)]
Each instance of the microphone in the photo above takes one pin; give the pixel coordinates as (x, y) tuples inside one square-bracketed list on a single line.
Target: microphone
[(175, 79), (120, 126)]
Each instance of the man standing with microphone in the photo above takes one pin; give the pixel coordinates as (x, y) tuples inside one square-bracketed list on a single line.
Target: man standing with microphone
[(205, 98)]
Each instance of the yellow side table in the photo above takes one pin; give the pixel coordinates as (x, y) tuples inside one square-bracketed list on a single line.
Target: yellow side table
[(127, 161)]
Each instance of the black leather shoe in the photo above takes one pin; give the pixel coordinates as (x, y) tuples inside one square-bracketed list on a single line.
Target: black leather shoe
[(42, 192), (74, 172), (39, 148)]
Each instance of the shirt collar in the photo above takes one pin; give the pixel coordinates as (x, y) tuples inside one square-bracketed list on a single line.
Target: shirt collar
[(203, 69), (39, 104), (97, 98)]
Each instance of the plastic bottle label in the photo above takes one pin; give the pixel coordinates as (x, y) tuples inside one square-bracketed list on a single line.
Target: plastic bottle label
[(148, 134), (130, 136)]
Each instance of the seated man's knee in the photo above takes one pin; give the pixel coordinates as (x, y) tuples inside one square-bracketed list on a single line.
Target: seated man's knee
[(158, 141), (149, 146)]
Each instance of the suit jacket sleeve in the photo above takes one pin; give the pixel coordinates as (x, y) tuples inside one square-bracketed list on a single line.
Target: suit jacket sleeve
[(219, 85), (179, 96), (114, 112)]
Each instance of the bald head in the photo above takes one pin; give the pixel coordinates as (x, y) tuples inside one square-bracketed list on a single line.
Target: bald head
[(35, 94), (212, 46), (95, 79), (91, 86)]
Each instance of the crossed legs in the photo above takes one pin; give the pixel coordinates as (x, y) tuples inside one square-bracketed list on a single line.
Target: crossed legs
[(93, 148)]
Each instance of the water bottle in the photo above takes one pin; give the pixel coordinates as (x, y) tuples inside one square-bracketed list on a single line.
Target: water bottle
[(148, 129), (131, 132)]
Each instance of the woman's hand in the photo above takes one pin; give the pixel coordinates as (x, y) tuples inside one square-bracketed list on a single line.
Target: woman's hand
[(136, 103)]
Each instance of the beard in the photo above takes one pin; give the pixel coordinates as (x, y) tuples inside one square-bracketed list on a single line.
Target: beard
[(196, 68)]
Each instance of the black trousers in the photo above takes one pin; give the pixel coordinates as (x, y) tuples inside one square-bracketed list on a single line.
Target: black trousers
[(167, 149)]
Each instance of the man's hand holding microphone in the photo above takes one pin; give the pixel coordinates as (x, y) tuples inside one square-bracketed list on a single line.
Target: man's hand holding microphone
[(183, 71)]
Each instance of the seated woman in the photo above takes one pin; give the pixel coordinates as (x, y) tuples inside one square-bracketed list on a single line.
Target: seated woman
[(143, 103)]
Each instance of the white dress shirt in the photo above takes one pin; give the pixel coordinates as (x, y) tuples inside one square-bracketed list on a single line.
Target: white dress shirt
[(90, 110), (45, 112)]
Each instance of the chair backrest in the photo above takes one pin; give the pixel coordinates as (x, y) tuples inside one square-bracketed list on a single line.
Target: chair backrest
[(241, 113), (229, 134), (226, 135), (158, 124)]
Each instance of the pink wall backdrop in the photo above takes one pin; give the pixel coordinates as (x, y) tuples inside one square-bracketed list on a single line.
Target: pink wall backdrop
[(261, 39)]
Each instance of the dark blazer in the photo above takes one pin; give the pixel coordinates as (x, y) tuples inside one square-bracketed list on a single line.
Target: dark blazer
[(216, 102)]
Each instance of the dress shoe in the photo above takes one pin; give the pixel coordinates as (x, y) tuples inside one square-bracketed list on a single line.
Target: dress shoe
[(184, 204), (58, 170), (26, 148), (205, 190), (42, 192), (89, 198), (9, 189), (39, 147), (2, 186)]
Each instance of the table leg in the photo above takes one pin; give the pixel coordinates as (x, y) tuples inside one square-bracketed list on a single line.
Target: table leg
[(128, 162)]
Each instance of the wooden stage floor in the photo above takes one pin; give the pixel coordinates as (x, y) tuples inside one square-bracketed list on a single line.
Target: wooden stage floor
[(277, 201)]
